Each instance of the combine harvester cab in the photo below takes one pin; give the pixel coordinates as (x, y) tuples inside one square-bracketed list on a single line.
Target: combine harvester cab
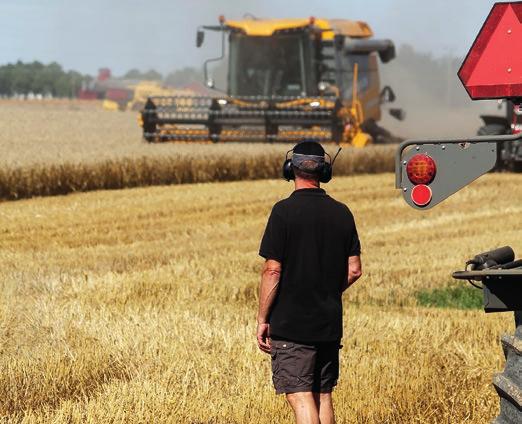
[(287, 79)]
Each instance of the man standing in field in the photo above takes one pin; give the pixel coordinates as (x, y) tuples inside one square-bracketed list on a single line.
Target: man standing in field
[(312, 255)]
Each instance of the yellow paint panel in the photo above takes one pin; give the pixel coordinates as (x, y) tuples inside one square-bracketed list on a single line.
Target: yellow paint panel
[(267, 27), (110, 105), (354, 29), (361, 140)]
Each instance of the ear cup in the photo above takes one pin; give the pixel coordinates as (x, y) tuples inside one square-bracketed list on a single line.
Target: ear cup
[(326, 173), (288, 171)]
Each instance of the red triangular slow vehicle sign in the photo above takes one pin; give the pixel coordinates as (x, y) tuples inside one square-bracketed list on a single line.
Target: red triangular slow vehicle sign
[(493, 67)]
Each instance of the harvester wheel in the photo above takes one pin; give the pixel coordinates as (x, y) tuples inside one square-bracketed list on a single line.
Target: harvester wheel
[(509, 383)]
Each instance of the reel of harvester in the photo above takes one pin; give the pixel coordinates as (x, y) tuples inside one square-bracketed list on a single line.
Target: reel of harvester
[(255, 119)]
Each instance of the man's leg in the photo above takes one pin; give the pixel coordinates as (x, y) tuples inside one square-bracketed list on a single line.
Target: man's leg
[(326, 375), (304, 407), (324, 405)]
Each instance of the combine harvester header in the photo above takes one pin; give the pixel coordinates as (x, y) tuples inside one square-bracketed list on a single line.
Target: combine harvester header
[(287, 79)]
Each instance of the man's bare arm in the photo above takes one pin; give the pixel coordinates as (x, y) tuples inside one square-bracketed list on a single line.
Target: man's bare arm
[(354, 271), (267, 292)]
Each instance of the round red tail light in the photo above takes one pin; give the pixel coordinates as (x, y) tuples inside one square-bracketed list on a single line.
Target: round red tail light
[(421, 195), (421, 169)]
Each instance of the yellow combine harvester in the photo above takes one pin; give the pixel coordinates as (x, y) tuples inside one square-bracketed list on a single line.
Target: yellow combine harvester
[(139, 92), (287, 79)]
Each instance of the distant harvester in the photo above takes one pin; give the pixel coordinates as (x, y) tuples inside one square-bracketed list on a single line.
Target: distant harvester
[(287, 79)]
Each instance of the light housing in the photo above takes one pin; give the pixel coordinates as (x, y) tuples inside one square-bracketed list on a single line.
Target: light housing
[(421, 169)]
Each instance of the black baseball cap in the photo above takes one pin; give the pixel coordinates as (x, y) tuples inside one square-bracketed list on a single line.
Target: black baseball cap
[(309, 148)]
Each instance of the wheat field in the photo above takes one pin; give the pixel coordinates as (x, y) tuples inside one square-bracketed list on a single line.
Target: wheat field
[(139, 305), (59, 147)]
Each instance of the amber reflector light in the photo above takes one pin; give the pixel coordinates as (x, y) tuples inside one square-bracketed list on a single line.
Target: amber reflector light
[(421, 169)]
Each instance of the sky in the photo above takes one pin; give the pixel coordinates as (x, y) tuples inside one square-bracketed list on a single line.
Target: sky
[(123, 34)]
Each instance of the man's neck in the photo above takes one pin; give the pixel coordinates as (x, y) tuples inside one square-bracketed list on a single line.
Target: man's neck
[(301, 184)]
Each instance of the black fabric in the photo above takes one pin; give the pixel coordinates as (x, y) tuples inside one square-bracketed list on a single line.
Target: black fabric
[(308, 147), (304, 367), (312, 236)]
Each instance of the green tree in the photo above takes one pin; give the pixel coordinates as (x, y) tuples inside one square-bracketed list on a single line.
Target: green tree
[(37, 78), (133, 74)]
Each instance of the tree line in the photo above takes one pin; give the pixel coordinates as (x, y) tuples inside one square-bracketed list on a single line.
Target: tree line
[(35, 77), (177, 78), (52, 80)]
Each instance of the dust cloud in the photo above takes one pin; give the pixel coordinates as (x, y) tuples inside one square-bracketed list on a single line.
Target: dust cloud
[(430, 92)]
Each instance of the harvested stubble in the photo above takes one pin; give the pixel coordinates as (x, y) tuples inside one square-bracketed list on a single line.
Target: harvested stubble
[(58, 148), (139, 306)]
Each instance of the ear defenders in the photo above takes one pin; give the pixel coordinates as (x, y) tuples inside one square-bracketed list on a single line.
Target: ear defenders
[(325, 174)]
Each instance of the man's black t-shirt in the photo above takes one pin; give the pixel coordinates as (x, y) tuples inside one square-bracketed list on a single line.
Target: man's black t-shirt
[(312, 236)]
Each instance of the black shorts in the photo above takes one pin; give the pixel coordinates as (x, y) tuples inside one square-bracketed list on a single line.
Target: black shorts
[(304, 367)]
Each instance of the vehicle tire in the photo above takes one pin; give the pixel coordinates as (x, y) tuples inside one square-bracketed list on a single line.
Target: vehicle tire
[(496, 129), (508, 384), (514, 167)]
